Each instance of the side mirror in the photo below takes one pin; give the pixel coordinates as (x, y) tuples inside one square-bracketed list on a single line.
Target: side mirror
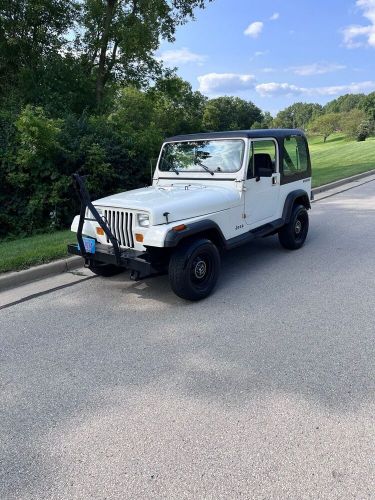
[(263, 172)]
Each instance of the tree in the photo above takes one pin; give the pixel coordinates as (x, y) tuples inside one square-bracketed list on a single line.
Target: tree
[(325, 125), (353, 124), (368, 105), (179, 109), (297, 115), (344, 103), (121, 37), (30, 33), (267, 120), (230, 113)]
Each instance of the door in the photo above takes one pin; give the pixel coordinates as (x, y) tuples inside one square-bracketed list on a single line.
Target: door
[(262, 183)]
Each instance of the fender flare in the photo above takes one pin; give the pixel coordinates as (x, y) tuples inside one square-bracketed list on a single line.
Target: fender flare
[(173, 238), (290, 200)]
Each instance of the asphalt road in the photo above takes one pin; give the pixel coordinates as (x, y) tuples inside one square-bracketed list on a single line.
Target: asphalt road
[(114, 389)]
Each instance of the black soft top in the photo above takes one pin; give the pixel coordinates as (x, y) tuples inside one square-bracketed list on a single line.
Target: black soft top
[(277, 133)]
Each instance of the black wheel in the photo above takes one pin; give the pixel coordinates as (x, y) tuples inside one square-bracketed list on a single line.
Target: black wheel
[(105, 270), (194, 269), (293, 235)]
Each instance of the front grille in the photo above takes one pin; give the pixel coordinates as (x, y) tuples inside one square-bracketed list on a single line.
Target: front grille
[(121, 225)]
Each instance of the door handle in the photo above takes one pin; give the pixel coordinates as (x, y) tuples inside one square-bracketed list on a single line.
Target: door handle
[(274, 180)]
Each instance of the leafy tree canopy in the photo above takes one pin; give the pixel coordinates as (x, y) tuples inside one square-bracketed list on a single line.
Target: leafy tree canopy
[(230, 113), (345, 103), (368, 105), (325, 125), (297, 115)]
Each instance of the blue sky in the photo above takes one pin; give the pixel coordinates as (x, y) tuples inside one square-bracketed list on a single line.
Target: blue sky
[(276, 52)]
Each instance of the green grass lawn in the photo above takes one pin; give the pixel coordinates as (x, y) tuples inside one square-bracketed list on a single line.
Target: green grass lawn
[(339, 158), (336, 159), (34, 250)]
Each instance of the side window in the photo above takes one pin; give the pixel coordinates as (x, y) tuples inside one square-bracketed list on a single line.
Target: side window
[(295, 156), (261, 152)]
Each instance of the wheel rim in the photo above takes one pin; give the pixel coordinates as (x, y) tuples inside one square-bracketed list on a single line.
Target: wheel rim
[(201, 270), (300, 226)]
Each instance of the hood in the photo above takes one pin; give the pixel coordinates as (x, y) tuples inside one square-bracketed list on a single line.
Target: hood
[(182, 201)]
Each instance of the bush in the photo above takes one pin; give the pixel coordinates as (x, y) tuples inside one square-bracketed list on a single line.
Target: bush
[(364, 130)]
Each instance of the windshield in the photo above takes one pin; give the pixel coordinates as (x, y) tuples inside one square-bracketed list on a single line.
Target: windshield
[(202, 156)]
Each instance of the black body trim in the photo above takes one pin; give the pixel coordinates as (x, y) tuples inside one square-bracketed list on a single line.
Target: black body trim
[(259, 232), (289, 202), (130, 259), (173, 238)]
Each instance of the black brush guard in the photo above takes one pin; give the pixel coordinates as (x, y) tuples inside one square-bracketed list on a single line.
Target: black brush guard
[(133, 260)]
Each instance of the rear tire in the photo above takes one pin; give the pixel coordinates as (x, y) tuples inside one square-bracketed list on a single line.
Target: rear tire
[(105, 270), (194, 269), (293, 235)]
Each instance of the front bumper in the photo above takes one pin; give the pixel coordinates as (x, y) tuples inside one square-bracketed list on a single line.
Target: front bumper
[(132, 260)]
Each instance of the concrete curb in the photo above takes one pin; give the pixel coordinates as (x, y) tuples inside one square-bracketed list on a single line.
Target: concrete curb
[(18, 278), (342, 182)]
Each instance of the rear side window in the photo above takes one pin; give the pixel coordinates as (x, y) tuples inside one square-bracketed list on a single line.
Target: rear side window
[(295, 156)]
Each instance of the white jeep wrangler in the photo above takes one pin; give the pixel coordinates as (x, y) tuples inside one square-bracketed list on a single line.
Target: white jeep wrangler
[(210, 192)]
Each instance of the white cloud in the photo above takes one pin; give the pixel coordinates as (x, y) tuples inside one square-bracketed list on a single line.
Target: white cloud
[(254, 29), (274, 16), (181, 56), (359, 35), (316, 69), (285, 89), (221, 83), (277, 89), (352, 88), (268, 70)]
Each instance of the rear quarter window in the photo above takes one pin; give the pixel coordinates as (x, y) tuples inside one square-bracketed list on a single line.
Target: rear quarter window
[(295, 156)]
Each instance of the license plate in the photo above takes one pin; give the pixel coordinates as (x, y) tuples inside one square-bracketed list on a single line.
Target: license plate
[(89, 245)]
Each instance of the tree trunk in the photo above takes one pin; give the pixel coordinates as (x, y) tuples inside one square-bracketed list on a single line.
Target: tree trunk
[(101, 78)]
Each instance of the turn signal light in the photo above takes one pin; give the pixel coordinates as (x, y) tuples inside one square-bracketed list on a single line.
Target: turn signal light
[(139, 237), (100, 231), (181, 227)]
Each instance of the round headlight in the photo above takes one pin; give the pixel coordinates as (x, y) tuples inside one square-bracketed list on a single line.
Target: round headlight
[(143, 220), (89, 215)]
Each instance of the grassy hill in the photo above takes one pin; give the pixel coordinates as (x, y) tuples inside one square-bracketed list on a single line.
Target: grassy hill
[(340, 157)]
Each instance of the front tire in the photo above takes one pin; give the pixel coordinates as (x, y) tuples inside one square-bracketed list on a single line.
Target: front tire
[(293, 235), (194, 269), (105, 270)]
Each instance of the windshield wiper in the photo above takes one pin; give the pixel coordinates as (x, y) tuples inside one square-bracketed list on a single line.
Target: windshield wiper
[(171, 166), (197, 161)]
